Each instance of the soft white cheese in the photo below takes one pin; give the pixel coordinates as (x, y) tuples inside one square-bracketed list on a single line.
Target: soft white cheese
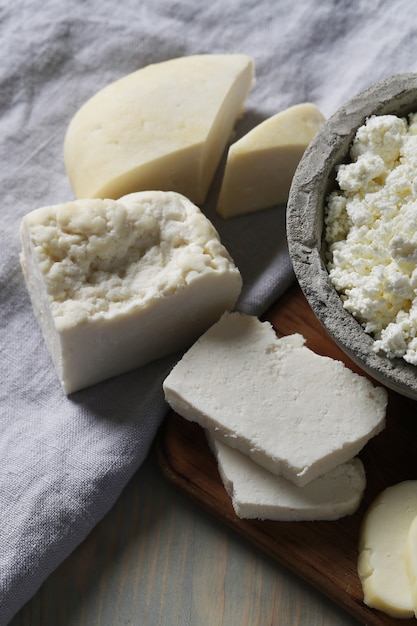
[(382, 563), (164, 127), (259, 494), (294, 412), (371, 232), (260, 166), (116, 284)]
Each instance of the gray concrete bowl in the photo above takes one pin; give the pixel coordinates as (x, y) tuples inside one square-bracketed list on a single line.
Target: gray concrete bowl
[(312, 182)]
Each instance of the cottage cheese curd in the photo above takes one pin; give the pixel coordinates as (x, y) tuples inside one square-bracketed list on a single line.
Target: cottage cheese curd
[(371, 232)]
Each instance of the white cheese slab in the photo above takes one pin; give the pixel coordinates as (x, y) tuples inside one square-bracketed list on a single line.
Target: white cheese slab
[(258, 494), (292, 411), (117, 284)]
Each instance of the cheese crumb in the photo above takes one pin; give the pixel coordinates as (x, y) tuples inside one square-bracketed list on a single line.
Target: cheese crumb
[(371, 233)]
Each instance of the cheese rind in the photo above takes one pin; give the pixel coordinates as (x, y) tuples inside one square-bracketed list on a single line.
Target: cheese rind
[(258, 494), (294, 412), (117, 284), (163, 127), (260, 166), (382, 565)]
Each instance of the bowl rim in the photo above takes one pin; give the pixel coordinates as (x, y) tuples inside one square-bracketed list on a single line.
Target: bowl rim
[(312, 182)]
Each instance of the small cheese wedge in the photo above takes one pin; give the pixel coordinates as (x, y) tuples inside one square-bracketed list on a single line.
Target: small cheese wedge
[(294, 412), (162, 127), (411, 560), (117, 284), (258, 494), (382, 565), (260, 166)]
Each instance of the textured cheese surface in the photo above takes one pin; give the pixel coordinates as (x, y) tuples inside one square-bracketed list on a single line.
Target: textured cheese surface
[(260, 166), (163, 127), (295, 413), (382, 563), (116, 284), (259, 494), (371, 231)]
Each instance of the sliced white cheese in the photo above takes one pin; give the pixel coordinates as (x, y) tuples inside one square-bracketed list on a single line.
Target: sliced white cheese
[(117, 284), (382, 550), (294, 412), (258, 494), (260, 166), (163, 127)]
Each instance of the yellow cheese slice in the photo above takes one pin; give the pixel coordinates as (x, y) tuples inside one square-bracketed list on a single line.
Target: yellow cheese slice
[(260, 166), (382, 564), (411, 560), (163, 127)]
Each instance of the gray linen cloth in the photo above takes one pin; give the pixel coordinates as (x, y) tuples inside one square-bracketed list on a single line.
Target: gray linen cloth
[(64, 461)]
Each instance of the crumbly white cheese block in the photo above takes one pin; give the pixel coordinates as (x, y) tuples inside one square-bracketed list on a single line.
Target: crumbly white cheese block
[(259, 494), (292, 411), (411, 560), (260, 166), (117, 284), (382, 564), (163, 127), (371, 225)]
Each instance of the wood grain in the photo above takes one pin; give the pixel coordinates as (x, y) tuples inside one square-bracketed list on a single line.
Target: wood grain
[(324, 554), (157, 559)]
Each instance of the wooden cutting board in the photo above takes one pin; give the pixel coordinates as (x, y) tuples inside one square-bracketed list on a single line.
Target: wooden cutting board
[(322, 553)]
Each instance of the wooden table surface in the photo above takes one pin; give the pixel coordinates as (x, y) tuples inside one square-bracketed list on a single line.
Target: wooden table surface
[(158, 559)]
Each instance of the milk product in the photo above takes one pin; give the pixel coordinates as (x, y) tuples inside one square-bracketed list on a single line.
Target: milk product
[(371, 226), (294, 412), (382, 548), (163, 127), (411, 560), (259, 494), (116, 284), (260, 166)]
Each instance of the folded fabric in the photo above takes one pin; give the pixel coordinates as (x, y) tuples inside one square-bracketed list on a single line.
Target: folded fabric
[(64, 461)]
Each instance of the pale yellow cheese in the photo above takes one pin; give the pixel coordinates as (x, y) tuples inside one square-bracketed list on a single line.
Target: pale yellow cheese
[(260, 166), (411, 560), (382, 564), (162, 127)]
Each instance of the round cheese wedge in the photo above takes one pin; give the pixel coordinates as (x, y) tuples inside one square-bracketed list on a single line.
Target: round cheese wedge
[(260, 166), (162, 127)]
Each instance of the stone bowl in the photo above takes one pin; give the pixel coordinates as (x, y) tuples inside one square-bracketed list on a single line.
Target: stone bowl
[(312, 182)]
